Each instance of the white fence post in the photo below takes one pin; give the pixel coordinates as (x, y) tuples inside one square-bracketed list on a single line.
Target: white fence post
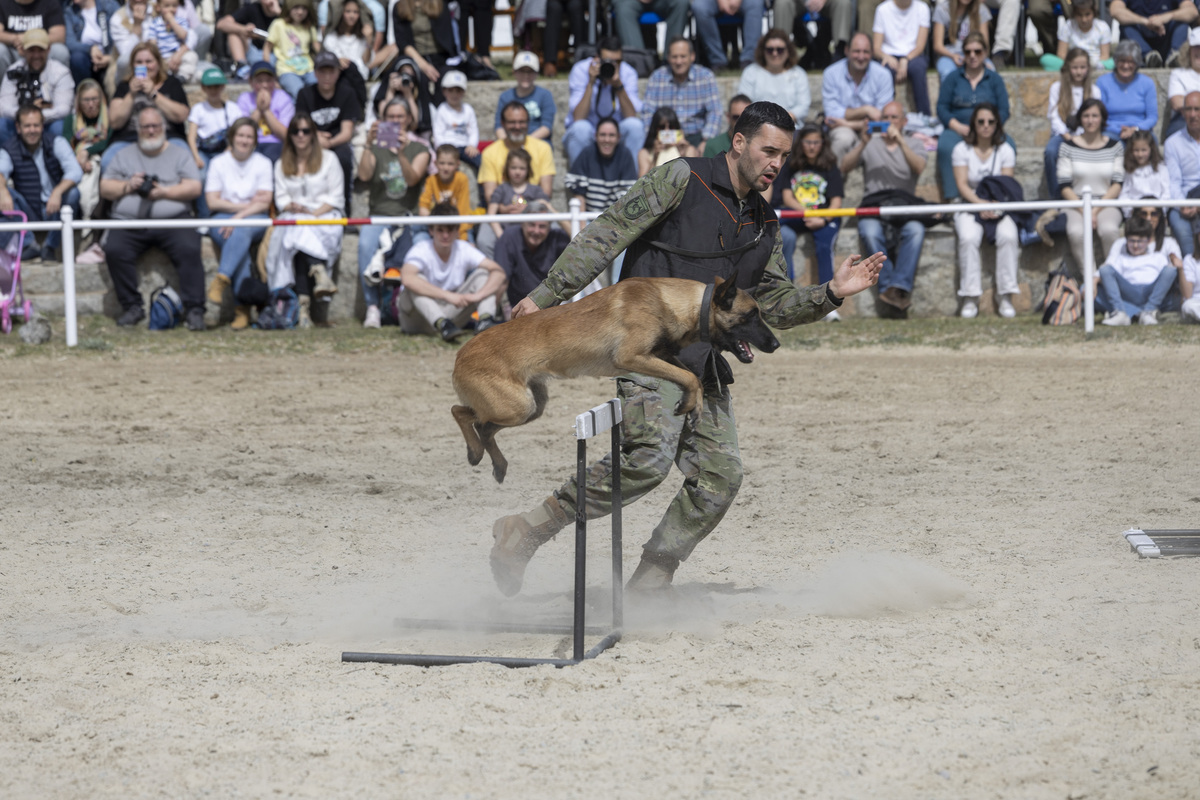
[(67, 215), (576, 207), (1089, 264)]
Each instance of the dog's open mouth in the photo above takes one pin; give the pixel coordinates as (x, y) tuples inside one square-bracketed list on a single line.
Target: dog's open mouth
[(743, 352)]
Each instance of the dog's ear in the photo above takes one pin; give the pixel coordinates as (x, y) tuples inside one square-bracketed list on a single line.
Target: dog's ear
[(726, 292)]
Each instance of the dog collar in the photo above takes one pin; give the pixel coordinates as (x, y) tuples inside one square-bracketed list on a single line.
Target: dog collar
[(705, 306)]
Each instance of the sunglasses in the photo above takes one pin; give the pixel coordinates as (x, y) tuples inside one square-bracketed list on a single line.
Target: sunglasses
[(985, 122), (775, 51), (304, 131), (974, 51)]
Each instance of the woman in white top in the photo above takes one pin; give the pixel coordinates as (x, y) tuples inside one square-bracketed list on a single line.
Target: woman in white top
[(953, 21), (308, 185), (900, 33), (1183, 80), (984, 151), (1095, 160), (774, 75), (1063, 106)]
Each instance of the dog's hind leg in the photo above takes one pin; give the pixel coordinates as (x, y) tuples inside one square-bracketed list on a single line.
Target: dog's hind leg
[(540, 397), (466, 419), (487, 435)]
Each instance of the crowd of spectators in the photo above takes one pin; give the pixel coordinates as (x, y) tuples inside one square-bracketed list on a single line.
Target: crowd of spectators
[(95, 114)]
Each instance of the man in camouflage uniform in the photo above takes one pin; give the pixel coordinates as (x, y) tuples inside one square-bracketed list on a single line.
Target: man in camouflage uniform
[(722, 227)]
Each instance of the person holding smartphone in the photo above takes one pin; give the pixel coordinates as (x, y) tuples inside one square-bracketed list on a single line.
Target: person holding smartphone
[(664, 141)]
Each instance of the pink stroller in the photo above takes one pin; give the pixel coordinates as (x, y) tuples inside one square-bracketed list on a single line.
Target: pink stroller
[(12, 293)]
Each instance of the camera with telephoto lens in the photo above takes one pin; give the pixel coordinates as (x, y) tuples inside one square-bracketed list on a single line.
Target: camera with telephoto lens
[(29, 86), (406, 80), (608, 70), (147, 184)]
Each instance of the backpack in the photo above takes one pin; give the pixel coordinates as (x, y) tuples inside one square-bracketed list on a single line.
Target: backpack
[(1064, 302), (281, 313), (166, 309)]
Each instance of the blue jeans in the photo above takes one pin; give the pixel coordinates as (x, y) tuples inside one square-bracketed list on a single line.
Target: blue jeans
[(111, 151), (1118, 294), (823, 239), (626, 14), (901, 272), (917, 69), (581, 133), (292, 83), (36, 212), (1050, 162), (1176, 34), (235, 251), (368, 243), (706, 12), (1183, 229)]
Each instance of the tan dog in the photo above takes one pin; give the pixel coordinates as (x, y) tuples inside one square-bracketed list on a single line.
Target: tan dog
[(636, 325)]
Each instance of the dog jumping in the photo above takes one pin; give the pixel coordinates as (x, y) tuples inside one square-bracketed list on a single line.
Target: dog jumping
[(636, 325)]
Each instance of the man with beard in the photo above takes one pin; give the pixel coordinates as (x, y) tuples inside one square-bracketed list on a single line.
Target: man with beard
[(698, 219), (270, 107), (515, 119), (155, 180)]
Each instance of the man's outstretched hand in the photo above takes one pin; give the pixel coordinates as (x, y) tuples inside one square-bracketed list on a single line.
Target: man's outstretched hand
[(856, 274)]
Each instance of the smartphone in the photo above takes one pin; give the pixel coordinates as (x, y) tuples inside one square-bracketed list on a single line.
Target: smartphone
[(388, 134), (878, 127), (260, 33), (667, 137), (139, 71)]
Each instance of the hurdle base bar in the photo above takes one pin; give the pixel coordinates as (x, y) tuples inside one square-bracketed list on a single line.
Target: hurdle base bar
[(1163, 543), (501, 626)]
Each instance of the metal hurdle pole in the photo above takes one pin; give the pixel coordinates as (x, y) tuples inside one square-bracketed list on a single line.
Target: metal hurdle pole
[(1089, 264), (591, 423), (67, 215)]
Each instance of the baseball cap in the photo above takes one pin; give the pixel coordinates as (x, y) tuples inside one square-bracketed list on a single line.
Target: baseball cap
[(262, 66), (35, 37), (454, 80), (525, 60), (326, 59), (213, 77)]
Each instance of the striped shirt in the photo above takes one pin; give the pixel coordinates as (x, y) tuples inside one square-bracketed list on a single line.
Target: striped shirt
[(158, 31), (1099, 169), (601, 182), (696, 101)]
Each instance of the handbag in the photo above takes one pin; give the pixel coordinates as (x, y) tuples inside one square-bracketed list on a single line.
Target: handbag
[(216, 143)]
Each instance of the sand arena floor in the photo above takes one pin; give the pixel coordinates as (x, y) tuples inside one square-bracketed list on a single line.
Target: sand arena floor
[(920, 592)]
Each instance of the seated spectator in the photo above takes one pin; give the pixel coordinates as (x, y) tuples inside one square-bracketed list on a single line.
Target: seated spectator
[(86, 130), (88, 37), (1134, 281), (723, 141), (454, 121), (292, 40), (1081, 31), (774, 75), (511, 197), (479, 13), (958, 98), (1130, 97), (176, 183), (664, 142), (537, 100), (270, 107), (245, 33), (374, 16), (168, 28), (35, 80), (126, 30), (207, 124), (604, 170), (332, 105), (1183, 80), (627, 13), (953, 21), (1007, 16), (1146, 173), (395, 175), (705, 12), (1158, 223), (308, 185), (891, 162), (687, 88), (576, 22), (351, 38), (1095, 160), (840, 13), (900, 33), (853, 92), (406, 83), (983, 152), (19, 16), (528, 250), (600, 87), (423, 31), (1182, 154), (1158, 27), (447, 186), (44, 173), (148, 84), (1189, 277), (516, 137), (446, 281), (810, 179), (1074, 85), (240, 185)]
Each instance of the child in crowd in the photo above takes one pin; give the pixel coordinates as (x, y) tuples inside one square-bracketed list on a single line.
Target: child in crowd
[(454, 121), (899, 33), (447, 185), (176, 41), (510, 197), (1189, 277), (350, 38), (86, 128), (206, 125), (1135, 280), (292, 39), (953, 21), (1145, 170), (1081, 30), (1075, 84)]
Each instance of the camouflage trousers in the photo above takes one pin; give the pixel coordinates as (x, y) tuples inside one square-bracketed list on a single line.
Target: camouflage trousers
[(654, 437)]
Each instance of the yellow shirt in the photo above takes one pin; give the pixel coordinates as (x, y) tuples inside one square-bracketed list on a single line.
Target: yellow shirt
[(458, 192), (496, 153), (292, 47)]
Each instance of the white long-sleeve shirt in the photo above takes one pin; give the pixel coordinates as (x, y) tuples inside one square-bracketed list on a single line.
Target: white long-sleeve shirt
[(788, 89), (58, 87), (1146, 182), (1057, 124), (459, 128), (327, 186)]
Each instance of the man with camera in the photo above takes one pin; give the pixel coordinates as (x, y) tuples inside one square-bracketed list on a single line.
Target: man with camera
[(44, 173), (34, 80), (19, 16), (604, 86), (155, 180)]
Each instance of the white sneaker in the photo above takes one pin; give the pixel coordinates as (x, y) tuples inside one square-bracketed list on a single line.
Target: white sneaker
[(1148, 317), (373, 319), (1116, 319), (93, 255), (1006, 308), (833, 316), (970, 308)]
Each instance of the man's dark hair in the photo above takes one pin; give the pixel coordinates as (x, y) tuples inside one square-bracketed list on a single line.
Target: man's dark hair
[(444, 209), (610, 43), (608, 121), (676, 40), (1138, 226), (764, 112), (511, 105), (27, 109), (738, 98)]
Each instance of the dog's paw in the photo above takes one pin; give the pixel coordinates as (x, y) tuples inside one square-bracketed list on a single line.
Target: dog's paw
[(499, 470), (474, 457)]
